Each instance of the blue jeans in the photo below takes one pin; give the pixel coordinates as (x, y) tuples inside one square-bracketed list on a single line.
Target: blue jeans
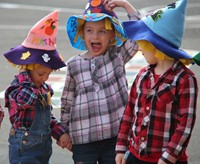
[(36, 150), (102, 152), (34, 145)]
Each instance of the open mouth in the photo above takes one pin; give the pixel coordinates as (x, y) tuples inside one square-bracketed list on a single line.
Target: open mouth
[(96, 46)]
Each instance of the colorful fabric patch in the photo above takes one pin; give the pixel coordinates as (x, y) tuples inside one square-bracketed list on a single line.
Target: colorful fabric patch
[(25, 55)]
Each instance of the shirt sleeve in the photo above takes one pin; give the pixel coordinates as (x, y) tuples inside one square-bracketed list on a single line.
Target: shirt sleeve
[(188, 90), (66, 100), (131, 48), (22, 92), (1, 115), (126, 123), (125, 52), (57, 128)]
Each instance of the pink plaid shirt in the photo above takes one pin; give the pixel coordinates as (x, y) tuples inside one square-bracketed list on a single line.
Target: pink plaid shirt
[(95, 94)]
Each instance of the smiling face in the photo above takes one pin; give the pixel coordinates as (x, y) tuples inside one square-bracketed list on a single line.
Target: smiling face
[(40, 74), (97, 38)]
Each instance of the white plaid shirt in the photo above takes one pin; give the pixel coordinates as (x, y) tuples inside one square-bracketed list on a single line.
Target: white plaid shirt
[(95, 94)]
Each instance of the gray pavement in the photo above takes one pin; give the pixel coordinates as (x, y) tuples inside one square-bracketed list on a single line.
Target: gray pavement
[(16, 19)]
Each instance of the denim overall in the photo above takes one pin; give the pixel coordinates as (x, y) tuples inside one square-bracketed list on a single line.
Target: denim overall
[(33, 146)]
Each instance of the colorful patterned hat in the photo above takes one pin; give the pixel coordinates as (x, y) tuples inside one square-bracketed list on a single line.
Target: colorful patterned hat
[(95, 11), (164, 28), (39, 46)]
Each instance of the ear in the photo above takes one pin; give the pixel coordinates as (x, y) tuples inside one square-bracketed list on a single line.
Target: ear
[(112, 37)]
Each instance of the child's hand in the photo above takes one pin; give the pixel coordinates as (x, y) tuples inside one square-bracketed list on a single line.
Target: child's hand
[(161, 162), (65, 141), (111, 4), (119, 159)]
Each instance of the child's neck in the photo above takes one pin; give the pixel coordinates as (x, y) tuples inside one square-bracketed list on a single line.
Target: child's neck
[(162, 66), (86, 55)]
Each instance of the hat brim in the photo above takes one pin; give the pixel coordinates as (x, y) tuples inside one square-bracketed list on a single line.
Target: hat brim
[(137, 30), (18, 56), (72, 28)]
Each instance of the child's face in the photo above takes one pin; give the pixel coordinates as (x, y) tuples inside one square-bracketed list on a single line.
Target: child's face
[(149, 55), (148, 51), (97, 38), (40, 74)]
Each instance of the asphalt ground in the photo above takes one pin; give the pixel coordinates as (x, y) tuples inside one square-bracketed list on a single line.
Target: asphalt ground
[(16, 19)]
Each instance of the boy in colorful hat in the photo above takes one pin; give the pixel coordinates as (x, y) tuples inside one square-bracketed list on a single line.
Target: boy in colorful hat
[(160, 115), (96, 92), (28, 98)]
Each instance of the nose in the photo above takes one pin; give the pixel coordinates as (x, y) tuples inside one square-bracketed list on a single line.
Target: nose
[(45, 78), (95, 35)]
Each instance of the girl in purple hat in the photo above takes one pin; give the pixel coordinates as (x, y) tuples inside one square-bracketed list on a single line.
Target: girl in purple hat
[(96, 92)]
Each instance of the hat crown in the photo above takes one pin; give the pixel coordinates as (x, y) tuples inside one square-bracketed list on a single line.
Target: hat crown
[(168, 22), (43, 34), (97, 6)]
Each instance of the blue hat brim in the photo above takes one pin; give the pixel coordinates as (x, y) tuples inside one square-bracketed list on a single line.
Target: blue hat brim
[(137, 30), (15, 54), (72, 28)]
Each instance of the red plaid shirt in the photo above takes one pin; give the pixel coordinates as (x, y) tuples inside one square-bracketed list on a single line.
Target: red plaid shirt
[(159, 116), (20, 99), (1, 115)]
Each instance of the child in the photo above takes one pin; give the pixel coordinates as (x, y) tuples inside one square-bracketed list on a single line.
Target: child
[(95, 91), (157, 123), (1, 115), (28, 98)]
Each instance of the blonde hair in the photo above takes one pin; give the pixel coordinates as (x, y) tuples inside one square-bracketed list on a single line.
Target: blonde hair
[(144, 44), (25, 66)]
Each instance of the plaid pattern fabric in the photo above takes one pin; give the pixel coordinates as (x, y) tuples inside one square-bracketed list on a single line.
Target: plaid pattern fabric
[(160, 115), (1, 115), (20, 98), (95, 94)]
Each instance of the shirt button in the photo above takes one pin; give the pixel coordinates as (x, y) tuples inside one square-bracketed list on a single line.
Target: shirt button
[(147, 108), (144, 123), (96, 87), (24, 142), (26, 133), (142, 138), (93, 66), (151, 92)]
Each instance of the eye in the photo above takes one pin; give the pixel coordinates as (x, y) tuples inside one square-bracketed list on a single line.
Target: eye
[(88, 30), (40, 74), (102, 31)]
